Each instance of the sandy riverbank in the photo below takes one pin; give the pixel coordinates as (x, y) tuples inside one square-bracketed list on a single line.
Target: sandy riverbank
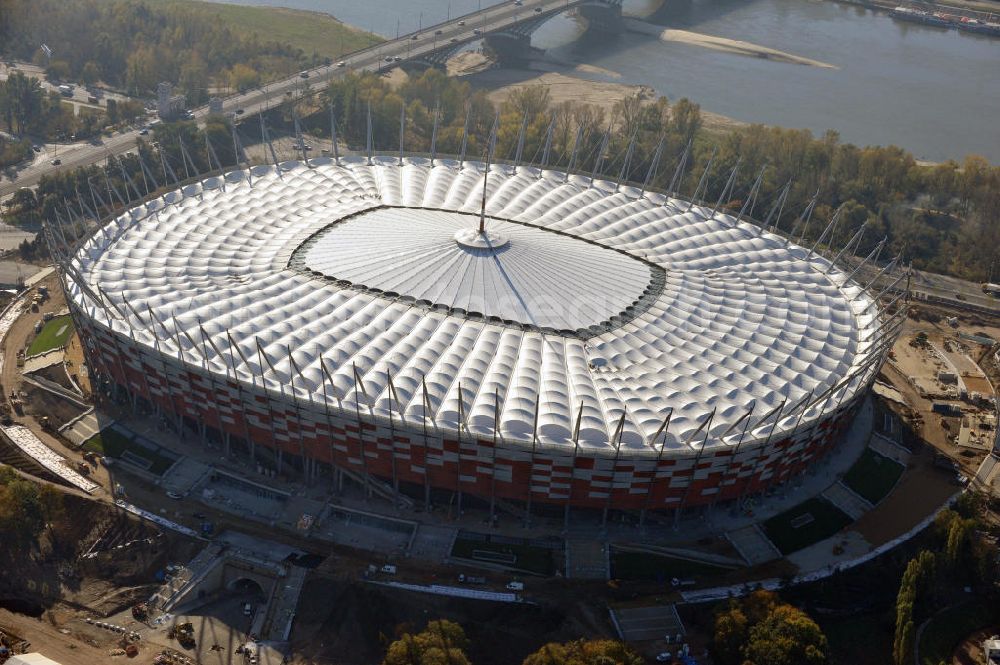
[(565, 81), (723, 44)]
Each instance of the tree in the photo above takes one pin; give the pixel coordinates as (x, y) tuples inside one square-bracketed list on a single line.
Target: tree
[(21, 517), (20, 101), (91, 73), (916, 585), (242, 77), (760, 630), (731, 631), (787, 636), (585, 652), (442, 642), (51, 503)]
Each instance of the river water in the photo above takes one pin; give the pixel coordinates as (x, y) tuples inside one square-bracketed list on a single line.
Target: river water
[(932, 91)]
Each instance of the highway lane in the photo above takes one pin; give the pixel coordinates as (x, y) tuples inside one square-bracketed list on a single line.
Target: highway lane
[(460, 30)]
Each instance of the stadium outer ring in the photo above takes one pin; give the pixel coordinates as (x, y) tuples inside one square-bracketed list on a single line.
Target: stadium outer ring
[(418, 460)]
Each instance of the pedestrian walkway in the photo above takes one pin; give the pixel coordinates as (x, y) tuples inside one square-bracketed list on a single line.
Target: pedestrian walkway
[(281, 609), (43, 360), (179, 581), (753, 545), (847, 500), (85, 427)]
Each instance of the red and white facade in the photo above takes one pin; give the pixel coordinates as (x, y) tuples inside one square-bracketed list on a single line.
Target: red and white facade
[(596, 347)]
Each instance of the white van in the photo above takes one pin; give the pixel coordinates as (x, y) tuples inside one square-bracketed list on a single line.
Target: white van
[(515, 586), (389, 569)]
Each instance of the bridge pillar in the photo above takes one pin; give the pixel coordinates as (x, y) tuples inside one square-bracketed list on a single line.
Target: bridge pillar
[(603, 15), (511, 49)]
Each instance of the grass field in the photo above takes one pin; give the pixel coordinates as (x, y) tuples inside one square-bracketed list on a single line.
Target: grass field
[(528, 557), (946, 630), (112, 443), (54, 335), (313, 32), (827, 520), (873, 476), (646, 566)]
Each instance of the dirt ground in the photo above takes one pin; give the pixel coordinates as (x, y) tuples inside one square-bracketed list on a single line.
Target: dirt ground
[(921, 490), (44, 635), (54, 589)]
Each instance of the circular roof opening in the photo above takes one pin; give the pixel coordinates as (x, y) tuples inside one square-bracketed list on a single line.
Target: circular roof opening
[(511, 271)]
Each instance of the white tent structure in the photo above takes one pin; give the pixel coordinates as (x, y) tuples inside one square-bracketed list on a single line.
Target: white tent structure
[(588, 318)]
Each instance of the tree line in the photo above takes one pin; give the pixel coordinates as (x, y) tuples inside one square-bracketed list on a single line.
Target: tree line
[(955, 559), (943, 218), (25, 510), (443, 642), (133, 45), (27, 109), (176, 152)]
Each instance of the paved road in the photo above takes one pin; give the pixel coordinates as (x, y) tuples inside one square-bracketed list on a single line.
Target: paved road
[(957, 292), (461, 30)]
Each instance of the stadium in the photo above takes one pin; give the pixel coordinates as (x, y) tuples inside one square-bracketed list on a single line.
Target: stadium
[(532, 337)]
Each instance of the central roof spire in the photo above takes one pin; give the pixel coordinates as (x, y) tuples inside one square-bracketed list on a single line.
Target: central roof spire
[(482, 210), (490, 146)]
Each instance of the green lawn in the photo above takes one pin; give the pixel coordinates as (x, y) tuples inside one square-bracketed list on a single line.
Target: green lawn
[(313, 32), (54, 335), (654, 567), (946, 630), (527, 557), (827, 520), (873, 476), (112, 443)]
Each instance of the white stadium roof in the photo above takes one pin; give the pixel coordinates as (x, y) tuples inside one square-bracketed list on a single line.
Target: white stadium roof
[(584, 294)]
